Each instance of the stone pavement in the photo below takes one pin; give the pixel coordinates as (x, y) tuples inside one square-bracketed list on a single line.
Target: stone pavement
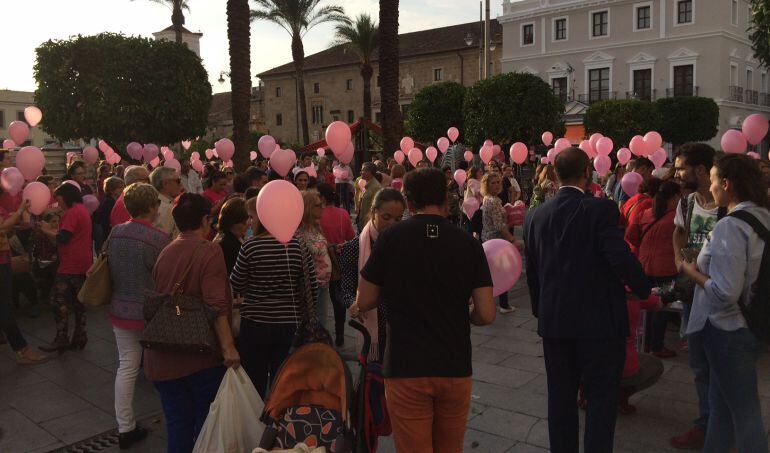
[(70, 399)]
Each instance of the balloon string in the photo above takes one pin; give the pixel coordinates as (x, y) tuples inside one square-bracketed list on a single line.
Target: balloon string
[(291, 283)]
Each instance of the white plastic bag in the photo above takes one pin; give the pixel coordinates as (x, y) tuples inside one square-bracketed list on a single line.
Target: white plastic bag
[(232, 425)]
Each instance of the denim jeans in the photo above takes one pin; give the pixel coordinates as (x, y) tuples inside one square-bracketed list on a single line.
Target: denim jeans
[(700, 367), (736, 418), (7, 319), (323, 302), (263, 348), (186, 404)]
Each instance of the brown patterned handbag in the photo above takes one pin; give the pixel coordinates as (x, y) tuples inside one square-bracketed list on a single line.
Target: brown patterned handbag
[(178, 323)]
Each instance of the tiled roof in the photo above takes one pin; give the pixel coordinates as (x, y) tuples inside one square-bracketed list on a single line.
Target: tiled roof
[(184, 30), (437, 40)]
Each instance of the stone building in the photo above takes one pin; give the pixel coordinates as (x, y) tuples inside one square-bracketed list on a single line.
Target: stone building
[(334, 87), (12, 105), (619, 49), (220, 119)]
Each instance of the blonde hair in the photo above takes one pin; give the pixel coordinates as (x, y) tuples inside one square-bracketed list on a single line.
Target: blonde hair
[(140, 198), (309, 197), (485, 182)]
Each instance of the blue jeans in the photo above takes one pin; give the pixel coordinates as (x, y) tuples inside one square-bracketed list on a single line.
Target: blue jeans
[(186, 404), (700, 367), (736, 417)]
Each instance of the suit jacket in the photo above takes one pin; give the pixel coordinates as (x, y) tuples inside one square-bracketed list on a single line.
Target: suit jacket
[(577, 267)]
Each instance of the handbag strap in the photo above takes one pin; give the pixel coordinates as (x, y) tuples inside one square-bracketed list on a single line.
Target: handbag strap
[(178, 286)]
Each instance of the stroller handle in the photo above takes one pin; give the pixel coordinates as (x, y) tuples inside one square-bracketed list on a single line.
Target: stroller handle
[(367, 338)]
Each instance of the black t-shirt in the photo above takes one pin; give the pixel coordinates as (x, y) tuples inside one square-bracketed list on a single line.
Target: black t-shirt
[(426, 269)]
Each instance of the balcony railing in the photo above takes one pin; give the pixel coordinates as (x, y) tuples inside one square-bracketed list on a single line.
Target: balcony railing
[(681, 91), (752, 97), (736, 93), (764, 99), (597, 96), (642, 96)]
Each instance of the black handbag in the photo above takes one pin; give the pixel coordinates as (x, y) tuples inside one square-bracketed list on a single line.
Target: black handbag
[(178, 323), (309, 329)]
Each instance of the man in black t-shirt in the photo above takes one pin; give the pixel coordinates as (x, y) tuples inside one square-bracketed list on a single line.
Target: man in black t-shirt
[(426, 269)]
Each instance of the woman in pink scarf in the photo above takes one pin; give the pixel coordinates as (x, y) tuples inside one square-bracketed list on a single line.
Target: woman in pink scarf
[(387, 209)]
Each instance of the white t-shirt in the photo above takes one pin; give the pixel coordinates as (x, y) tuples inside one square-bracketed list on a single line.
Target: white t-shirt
[(701, 223)]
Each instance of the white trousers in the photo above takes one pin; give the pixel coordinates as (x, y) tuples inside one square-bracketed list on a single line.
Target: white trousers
[(130, 357)]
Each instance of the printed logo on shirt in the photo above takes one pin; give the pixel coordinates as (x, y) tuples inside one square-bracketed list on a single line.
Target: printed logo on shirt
[(700, 228)]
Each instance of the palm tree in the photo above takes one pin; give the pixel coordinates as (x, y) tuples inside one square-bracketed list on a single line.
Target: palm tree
[(298, 17), (177, 14), (389, 75), (361, 38), (239, 36)]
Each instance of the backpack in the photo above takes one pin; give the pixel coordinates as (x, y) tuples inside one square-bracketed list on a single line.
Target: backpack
[(757, 313)]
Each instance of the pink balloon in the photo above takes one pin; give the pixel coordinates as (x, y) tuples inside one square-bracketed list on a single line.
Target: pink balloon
[(197, 165), (547, 138), (280, 208), (39, 196), (113, 158), (186, 144), (624, 155), (443, 144), (173, 163), (755, 128), (266, 146), (637, 146), (253, 155), (468, 156), (103, 146), (347, 156), (8, 144), (155, 162), (431, 153), (453, 133), (399, 156), (340, 173), (519, 152), (561, 144), (228, 164), (630, 183), (282, 161), (225, 148), (167, 153), (504, 262), (488, 142), (150, 152), (30, 161), (486, 154), (594, 138), (470, 206), (19, 131), (90, 155), (33, 115), (602, 164), (544, 160), (497, 149), (753, 155), (12, 180), (362, 184), (604, 146), (209, 154), (195, 156), (551, 154), (415, 156), (460, 176), (585, 145), (91, 203), (734, 142), (653, 141), (338, 137), (659, 157), (407, 144), (321, 152), (134, 150)]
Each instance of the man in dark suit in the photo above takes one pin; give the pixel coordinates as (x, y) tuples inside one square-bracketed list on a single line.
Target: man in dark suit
[(578, 266)]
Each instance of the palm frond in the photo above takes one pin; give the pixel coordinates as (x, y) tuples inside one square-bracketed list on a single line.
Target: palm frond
[(360, 37)]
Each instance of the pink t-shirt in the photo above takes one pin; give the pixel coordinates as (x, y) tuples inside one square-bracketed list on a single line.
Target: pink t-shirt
[(76, 256), (635, 307), (119, 213), (336, 225)]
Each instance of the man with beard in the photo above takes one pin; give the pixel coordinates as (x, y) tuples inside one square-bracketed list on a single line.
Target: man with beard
[(696, 215)]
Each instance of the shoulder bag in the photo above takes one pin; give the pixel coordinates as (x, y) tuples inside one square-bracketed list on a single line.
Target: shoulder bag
[(97, 288), (179, 323), (309, 329)]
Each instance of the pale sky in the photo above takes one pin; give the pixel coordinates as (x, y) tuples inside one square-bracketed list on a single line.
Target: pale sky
[(28, 23)]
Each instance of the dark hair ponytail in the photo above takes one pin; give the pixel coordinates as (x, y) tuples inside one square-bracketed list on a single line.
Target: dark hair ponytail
[(665, 193)]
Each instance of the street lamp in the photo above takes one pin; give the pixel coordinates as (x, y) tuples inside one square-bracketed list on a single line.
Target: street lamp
[(222, 75)]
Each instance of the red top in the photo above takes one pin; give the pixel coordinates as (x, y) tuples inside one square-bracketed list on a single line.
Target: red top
[(10, 202), (336, 225), (213, 196), (119, 213), (634, 207), (596, 190), (653, 243), (635, 307), (76, 256), (329, 178)]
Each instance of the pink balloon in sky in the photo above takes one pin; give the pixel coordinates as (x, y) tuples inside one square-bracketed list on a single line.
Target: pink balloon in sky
[(443, 144), (505, 264), (30, 161), (90, 155), (415, 156), (253, 155), (630, 183), (12, 180), (134, 150), (197, 165), (266, 146), (399, 156), (547, 138), (624, 155), (468, 155), (604, 146), (734, 142), (33, 115), (347, 156), (470, 206), (39, 195), (282, 161), (519, 152), (225, 149), (453, 133), (19, 131), (173, 163), (337, 137), (280, 208), (638, 146), (407, 144), (460, 176), (594, 138), (755, 128), (321, 152), (486, 154), (431, 153), (8, 144), (602, 164)]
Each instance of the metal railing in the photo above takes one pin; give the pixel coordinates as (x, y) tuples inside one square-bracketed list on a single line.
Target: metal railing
[(681, 91), (751, 96), (764, 99), (736, 93), (596, 96), (642, 96)]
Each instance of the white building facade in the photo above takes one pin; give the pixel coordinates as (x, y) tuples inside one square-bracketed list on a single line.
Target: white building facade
[(590, 50)]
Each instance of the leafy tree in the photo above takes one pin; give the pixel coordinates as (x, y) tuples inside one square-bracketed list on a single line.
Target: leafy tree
[(298, 17), (361, 38), (239, 37), (177, 15), (686, 119), (621, 120), (121, 89), (434, 109), (759, 30), (392, 125), (511, 107)]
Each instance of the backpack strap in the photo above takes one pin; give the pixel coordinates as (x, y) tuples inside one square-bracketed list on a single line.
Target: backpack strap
[(755, 224), (688, 215)]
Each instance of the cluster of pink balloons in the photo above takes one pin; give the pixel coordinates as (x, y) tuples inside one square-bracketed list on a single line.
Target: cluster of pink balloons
[(753, 130), (338, 137)]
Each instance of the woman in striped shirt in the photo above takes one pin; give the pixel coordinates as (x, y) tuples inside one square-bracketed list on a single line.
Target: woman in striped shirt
[(270, 277)]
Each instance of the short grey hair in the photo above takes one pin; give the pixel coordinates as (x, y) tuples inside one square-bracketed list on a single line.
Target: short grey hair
[(161, 174), (140, 198), (134, 173)]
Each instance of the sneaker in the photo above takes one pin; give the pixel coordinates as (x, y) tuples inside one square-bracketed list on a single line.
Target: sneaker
[(506, 310), (664, 353), (29, 356), (691, 440), (126, 440)]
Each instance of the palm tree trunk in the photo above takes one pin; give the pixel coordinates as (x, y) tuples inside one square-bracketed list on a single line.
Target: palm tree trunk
[(298, 53), (177, 20), (389, 75), (366, 75), (239, 35)]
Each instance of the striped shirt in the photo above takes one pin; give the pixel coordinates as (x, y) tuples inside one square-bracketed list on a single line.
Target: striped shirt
[(269, 277)]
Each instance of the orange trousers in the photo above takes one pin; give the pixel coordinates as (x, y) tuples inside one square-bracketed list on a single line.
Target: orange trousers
[(428, 414)]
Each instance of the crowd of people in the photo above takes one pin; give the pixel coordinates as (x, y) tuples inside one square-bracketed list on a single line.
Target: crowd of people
[(398, 249)]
